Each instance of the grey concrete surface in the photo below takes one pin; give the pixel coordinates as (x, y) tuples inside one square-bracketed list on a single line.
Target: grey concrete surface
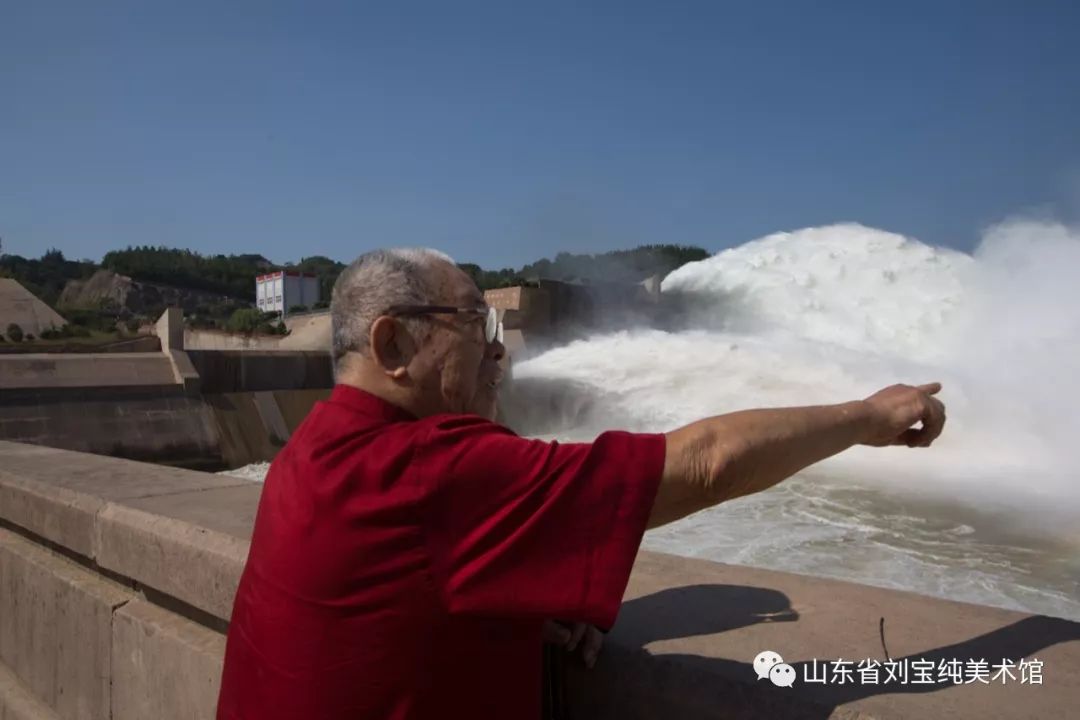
[(689, 630), (57, 494), (229, 371), (171, 407), (306, 332), (58, 370), (56, 628), (184, 372), (271, 416), (20, 306), (163, 665), (17, 702), (156, 423), (190, 545), (170, 329)]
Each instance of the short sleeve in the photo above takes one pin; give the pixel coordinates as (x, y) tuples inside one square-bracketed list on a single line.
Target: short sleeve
[(527, 528)]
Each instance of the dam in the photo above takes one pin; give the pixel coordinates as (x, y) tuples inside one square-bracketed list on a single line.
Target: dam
[(120, 556), (210, 409)]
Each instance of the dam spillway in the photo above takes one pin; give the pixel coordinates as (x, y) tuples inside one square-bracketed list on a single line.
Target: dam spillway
[(205, 409)]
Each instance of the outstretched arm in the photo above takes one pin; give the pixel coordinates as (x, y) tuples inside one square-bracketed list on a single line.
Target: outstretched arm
[(741, 453)]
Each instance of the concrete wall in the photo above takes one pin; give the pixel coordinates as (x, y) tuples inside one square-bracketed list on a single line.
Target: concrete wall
[(170, 329), (161, 424), (306, 332), (140, 344), (238, 370), (200, 409), (59, 370), (158, 423), (18, 305), (117, 578), (97, 579), (221, 340)]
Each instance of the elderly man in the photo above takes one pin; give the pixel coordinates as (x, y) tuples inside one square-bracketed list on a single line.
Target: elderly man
[(408, 549)]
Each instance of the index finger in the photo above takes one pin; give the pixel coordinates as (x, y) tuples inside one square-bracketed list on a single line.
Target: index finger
[(933, 422), (931, 388)]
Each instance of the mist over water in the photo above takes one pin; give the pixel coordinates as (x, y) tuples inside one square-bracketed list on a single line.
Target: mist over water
[(990, 514)]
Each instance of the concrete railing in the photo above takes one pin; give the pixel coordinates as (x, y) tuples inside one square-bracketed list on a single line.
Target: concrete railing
[(117, 579)]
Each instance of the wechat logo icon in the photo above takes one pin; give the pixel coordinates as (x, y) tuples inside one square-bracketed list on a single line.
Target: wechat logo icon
[(769, 664)]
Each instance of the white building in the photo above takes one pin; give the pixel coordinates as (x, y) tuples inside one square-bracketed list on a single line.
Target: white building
[(281, 290)]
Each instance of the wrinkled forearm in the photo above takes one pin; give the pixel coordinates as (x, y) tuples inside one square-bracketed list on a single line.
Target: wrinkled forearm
[(741, 453)]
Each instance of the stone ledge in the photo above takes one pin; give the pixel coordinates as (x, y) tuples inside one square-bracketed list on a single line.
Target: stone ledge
[(57, 494), (17, 702), (73, 370), (163, 665), (191, 546), (56, 627), (184, 372)]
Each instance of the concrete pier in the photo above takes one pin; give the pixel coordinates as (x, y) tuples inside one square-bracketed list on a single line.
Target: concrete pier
[(117, 579)]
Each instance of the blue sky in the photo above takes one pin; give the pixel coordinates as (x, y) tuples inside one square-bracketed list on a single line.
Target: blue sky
[(502, 132)]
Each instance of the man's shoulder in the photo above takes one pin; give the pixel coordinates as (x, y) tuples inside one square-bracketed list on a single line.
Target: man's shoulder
[(461, 425)]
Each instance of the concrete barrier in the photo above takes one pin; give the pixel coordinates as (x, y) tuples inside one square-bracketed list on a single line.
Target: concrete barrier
[(163, 665), (117, 578), (189, 545), (163, 424), (310, 331), (56, 627), (228, 371), (159, 423), (200, 409), (17, 702), (58, 370)]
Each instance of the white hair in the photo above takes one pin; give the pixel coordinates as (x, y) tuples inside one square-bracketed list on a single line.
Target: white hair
[(372, 284)]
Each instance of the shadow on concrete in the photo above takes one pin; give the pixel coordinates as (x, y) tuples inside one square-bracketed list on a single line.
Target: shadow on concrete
[(669, 614), (708, 609), (691, 610)]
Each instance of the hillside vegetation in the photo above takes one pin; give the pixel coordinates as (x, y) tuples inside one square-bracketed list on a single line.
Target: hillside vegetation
[(212, 288)]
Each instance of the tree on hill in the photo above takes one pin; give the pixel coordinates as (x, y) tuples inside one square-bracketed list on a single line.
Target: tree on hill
[(231, 275), (616, 266), (234, 275), (245, 320), (45, 277), (326, 269), (489, 279), (14, 332)]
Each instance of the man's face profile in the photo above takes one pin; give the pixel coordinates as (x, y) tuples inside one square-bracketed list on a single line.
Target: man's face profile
[(456, 370)]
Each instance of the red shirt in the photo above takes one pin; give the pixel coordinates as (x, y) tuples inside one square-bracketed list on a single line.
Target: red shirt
[(402, 568)]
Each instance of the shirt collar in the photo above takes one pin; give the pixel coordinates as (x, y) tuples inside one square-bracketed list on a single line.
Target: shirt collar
[(371, 405)]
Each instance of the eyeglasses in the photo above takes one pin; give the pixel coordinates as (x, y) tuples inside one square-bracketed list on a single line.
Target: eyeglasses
[(493, 329)]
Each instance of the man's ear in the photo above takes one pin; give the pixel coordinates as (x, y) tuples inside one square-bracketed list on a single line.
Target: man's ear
[(391, 347)]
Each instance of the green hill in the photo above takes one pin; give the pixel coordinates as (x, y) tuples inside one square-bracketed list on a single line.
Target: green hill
[(232, 277)]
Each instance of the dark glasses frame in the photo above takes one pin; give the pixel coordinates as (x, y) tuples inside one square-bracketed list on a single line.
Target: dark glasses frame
[(493, 329)]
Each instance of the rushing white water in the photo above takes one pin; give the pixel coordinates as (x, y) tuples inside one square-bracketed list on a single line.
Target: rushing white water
[(990, 514)]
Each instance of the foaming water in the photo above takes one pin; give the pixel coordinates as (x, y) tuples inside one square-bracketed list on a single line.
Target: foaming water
[(991, 514), (256, 472)]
